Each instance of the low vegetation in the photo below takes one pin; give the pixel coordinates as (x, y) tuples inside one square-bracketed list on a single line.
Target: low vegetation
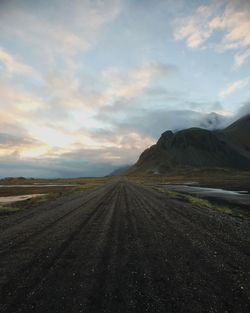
[(4, 209)]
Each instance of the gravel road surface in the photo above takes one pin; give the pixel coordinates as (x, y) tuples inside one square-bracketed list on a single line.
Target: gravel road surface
[(123, 248)]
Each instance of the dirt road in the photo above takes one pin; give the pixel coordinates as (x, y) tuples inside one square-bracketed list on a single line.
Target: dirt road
[(123, 248)]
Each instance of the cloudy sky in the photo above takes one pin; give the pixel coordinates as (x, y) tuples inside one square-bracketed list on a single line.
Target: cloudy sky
[(87, 85)]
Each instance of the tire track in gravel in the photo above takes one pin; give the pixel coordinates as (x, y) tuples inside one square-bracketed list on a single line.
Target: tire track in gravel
[(227, 288), (130, 250), (5, 249), (27, 278), (41, 218), (183, 217), (6, 222), (159, 275), (86, 237)]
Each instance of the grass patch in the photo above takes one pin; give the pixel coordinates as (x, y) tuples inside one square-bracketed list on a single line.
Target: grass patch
[(234, 211), (198, 201), (171, 193), (4, 209)]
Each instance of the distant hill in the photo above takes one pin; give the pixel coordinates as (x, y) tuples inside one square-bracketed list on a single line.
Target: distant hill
[(198, 147), (120, 170)]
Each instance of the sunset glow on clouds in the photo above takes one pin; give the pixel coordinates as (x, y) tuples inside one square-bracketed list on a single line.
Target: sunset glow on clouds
[(86, 86)]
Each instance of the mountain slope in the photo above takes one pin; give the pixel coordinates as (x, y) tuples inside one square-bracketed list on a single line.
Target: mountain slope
[(238, 135), (197, 147)]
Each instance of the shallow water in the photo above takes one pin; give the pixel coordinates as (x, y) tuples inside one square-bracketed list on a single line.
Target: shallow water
[(236, 197), (11, 199), (206, 190)]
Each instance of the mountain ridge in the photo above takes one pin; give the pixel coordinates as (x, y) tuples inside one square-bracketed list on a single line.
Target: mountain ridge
[(198, 148)]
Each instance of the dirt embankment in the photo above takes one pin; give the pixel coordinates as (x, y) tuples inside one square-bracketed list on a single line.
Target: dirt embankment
[(123, 248)]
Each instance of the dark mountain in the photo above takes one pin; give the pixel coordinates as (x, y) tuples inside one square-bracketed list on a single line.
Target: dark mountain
[(197, 147), (238, 135)]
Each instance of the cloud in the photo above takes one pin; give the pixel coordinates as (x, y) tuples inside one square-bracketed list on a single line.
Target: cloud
[(54, 123), (231, 18), (235, 21), (79, 162), (17, 100), (243, 110), (194, 28), (66, 91), (57, 29), (241, 57), (15, 67), (50, 35), (103, 94), (18, 140), (234, 86), (132, 83), (151, 122), (69, 98), (117, 146)]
